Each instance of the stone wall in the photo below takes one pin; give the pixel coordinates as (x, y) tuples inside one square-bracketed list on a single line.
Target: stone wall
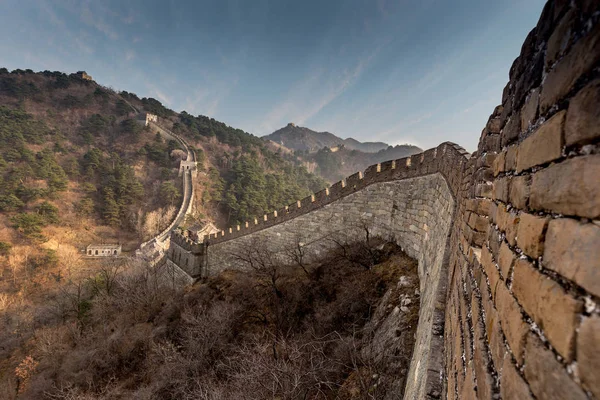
[(411, 201), (521, 316), (508, 239)]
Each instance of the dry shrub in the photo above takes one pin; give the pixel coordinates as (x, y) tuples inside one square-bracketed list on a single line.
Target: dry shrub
[(274, 332)]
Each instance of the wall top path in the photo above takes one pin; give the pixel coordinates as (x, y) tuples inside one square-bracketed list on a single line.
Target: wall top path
[(448, 158)]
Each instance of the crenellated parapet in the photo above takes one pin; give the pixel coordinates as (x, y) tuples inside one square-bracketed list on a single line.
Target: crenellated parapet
[(448, 159)]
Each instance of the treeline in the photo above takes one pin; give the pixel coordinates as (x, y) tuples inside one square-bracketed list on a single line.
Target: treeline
[(251, 191), (252, 179)]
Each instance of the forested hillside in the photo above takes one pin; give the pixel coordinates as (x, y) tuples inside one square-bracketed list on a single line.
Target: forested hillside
[(332, 157), (77, 167), (71, 151)]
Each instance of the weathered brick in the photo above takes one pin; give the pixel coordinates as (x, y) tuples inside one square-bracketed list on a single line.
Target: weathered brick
[(499, 163), (490, 269), (483, 190), (478, 222), (468, 389), (493, 125), (492, 326), (583, 117), (588, 354), (553, 309), (501, 216), (505, 259), (487, 160), (547, 377), (560, 38), (530, 234), (512, 129), (570, 188), (579, 60), (572, 249), (501, 187), (494, 240), (544, 145), (507, 222), (512, 386), (529, 110), (484, 378), (519, 191), (511, 158), (514, 327), (479, 206)]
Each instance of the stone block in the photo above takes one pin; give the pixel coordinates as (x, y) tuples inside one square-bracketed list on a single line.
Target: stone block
[(511, 158), (514, 327), (588, 354), (512, 386), (583, 116), (544, 145), (467, 391), (512, 224), (580, 59), (530, 234), (553, 309), (560, 38), (529, 111), (483, 190), (546, 376), (478, 222), (490, 270), (512, 129), (506, 257), (570, 188), (499, 163), (519, 191), (493, 125), (572, 249), (501, 187), (485, 381)]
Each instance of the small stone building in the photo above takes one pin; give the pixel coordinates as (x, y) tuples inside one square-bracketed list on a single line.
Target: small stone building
[(84, 75), (197, 231), (188, 166), (146, 118), (103, 250)]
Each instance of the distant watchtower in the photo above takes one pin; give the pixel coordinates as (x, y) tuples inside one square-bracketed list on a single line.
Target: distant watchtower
[(146, 118), (84, 75)]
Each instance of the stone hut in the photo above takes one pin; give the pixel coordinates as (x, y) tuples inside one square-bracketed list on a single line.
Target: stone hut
[(197, 231), (84, 75), (103, 250)]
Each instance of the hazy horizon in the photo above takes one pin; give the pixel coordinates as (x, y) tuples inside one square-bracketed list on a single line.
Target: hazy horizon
[(395, 72)]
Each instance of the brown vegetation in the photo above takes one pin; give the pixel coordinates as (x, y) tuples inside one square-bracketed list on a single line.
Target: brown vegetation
[(309, 331)]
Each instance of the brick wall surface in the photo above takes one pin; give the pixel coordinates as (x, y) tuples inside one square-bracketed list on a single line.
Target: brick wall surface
[(523, 299), (508, 239)]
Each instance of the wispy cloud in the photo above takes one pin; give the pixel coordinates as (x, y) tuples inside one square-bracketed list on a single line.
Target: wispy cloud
[(96, 20), (159, 94), (311, 95), (129, 55)]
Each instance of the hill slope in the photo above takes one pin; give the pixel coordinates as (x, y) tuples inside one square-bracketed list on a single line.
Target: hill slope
[(331, 157), (304, 139)]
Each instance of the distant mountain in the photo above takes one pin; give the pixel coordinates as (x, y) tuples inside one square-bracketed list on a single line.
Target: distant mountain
[(332, 157), (304, 139)]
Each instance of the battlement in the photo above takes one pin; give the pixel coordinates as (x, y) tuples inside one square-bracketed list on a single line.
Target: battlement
[(186, 243), (445, 159)]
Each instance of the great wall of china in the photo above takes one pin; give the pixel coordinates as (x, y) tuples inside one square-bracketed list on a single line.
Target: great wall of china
[(507, 238)]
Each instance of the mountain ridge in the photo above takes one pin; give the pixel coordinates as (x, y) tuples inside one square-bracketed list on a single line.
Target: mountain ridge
[(305, 139)]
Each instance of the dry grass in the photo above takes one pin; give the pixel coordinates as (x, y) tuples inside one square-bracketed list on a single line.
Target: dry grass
[(127, 334)]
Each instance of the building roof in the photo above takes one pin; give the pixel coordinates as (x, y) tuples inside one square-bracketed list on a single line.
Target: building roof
[(103, 246)]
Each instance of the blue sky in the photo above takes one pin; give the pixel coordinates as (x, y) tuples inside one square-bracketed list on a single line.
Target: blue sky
[(419, 72)]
